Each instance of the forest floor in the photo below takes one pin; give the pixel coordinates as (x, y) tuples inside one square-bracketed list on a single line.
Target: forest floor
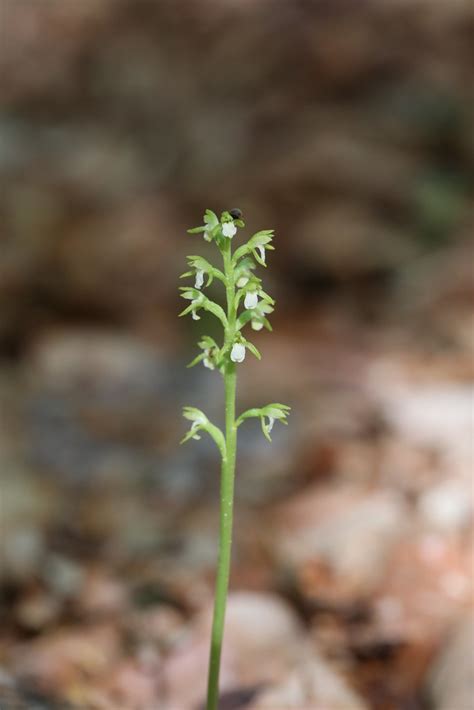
[(352, 569)]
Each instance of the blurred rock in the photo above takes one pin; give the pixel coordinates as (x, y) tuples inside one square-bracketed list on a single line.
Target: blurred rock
[(448, 506), (132, 685), (426, 413), (22, 553), (185, 674), (257, 626), (57, 662), (95, 359), (428, 578), (451, 679), (161, 625), (93, 404), (36, 611), (13, 698), (351, 532), (314, 684), (101, 594), (62, 575)]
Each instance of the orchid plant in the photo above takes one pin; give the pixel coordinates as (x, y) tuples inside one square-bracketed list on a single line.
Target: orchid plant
[(246, 302)]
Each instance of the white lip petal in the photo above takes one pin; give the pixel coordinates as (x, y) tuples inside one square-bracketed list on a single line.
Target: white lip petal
[(199, 279), (251, 300), (195, 316), (229, 229), (256, 325), (207, 362), (271, 422), (262, 253), (238, 352), (243, 281)]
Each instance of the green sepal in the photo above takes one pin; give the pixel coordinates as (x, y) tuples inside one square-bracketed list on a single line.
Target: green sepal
[(244, 318), (211, 351), (263, 308), (190, 293), (250, 346), (196, 360), (210, 222), (195, 294), (244, 268), (258, 258), (262, 238), (187, 310), (216, 310), (200, 264), (210, 217), (275, 411), (265, 429), (207, 342), (266, 297)]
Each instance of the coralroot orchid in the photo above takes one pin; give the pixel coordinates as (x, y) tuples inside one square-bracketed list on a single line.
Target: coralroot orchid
[(242, 288)]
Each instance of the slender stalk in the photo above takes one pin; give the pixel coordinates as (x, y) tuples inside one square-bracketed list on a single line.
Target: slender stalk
[(255, 306), (227, 496)]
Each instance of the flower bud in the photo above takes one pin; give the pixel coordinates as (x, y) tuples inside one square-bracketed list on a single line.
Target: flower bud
[(229, 229), (238, 352), (251, 299), (199, 279)]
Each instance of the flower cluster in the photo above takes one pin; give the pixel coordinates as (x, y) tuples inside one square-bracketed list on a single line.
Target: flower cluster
[(213, 228), (267, 415), (201, 423), (247, 302)]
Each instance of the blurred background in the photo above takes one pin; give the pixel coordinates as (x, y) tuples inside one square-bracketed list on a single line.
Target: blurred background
[(346, 125)]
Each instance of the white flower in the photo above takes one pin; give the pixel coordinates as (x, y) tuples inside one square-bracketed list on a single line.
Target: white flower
[(199, 279), (229, 229), (256, 325), (198, 303), (194, 426), (261, 249), (251, 299), (206, 362), (243, 281), (238, 352), (207, 235), (271, 422), (197, 423)]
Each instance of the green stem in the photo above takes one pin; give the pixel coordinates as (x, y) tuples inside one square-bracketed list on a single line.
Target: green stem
[(227, 494)]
